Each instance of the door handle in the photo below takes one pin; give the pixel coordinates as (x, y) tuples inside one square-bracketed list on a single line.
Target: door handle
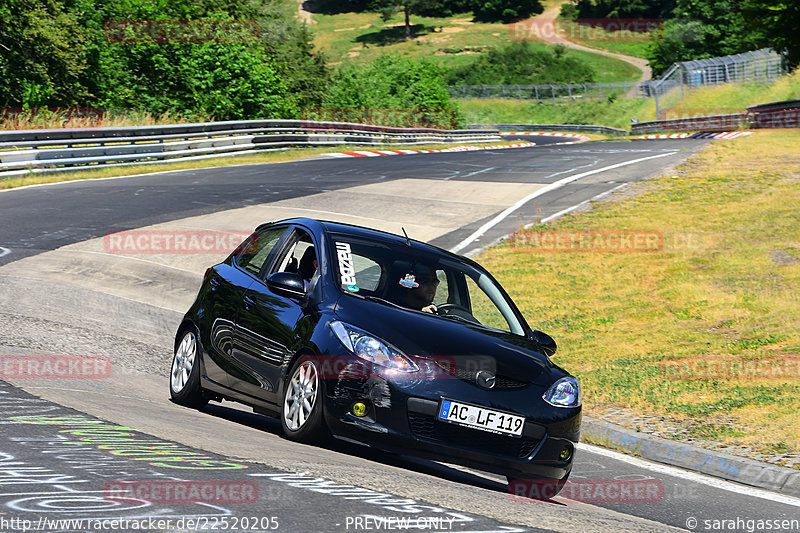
[(248, 301)]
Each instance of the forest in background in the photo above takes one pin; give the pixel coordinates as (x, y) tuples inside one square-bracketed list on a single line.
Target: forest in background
[(237, 59)]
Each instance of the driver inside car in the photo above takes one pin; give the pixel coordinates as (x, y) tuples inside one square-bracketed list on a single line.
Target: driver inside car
[(419, 289)]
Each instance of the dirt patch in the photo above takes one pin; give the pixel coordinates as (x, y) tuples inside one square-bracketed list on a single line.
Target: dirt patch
[(464, 53), (432, 40), (451, 29), (782, 258)]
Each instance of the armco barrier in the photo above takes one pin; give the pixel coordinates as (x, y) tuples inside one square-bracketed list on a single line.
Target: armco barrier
[(58, 150), (784, 114), (581, 128), (704, 123)]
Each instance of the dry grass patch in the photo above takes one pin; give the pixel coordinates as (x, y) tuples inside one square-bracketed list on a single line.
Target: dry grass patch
[(706, 330)]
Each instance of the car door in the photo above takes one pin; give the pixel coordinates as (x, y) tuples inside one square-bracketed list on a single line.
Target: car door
[(227, 284), (266, 327)]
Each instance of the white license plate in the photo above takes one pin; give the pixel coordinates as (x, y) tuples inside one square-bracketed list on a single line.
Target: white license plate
[(476, 417)]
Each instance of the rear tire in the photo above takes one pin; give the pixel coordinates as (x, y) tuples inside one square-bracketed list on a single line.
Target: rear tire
[(301, 410), (184, 377)]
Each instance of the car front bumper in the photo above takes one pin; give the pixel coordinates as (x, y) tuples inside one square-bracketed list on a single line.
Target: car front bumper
[(401, 416)]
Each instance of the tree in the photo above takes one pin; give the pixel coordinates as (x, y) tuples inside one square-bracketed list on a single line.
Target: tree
[(701, 29), (521, 62), (393, 89), (41, 55), (505, 10), (388, 8), (777, 22), (266, 70), (619, 8)]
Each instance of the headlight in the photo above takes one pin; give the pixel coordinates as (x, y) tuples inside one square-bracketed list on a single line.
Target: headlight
[(371, 348), (564, 393)]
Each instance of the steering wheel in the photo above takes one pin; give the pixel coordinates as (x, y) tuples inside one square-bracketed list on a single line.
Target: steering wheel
[(449, 309)]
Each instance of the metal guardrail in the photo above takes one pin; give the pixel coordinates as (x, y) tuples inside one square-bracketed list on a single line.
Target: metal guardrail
[(703, 123), (784, 114), (58, 150), (579, 128), (764, 116)]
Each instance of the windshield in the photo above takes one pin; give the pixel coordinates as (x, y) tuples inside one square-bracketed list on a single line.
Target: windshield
[(421, 281)]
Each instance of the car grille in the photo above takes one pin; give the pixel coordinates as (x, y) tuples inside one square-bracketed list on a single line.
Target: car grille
[(501, 382), (429, 429)]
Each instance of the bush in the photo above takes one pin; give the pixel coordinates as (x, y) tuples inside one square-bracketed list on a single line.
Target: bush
[(394, 83), (505, 10), (522, 63)]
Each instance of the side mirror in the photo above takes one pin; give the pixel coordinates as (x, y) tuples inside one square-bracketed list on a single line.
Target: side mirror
[(544, 340), (288, 284)]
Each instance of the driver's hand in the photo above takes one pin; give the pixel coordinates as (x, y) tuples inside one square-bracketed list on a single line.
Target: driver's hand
[(430, 309)]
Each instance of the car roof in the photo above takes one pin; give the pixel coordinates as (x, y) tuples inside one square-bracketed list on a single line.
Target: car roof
[(327, 226)]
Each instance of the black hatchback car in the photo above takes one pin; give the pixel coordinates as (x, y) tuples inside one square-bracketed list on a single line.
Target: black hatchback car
[(376, 338)]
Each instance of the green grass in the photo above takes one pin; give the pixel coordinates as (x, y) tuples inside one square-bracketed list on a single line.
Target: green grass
[(625, 43), (720, 294), (735, 98), (361, 37), (616, 114)]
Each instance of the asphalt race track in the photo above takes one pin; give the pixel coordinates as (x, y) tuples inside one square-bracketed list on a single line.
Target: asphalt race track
[(116, 448)]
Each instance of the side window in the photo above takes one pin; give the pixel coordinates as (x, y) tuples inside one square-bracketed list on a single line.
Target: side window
[(443, 290), (483, 309), (300, 257), (253, 257)]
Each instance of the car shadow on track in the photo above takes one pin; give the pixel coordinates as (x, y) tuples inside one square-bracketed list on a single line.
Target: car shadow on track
[(273, 425)]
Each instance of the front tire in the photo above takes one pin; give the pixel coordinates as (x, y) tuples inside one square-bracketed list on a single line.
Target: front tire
[(301, 414), (184, 378)]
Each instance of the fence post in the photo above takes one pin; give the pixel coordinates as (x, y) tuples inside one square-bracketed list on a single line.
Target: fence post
[(536, 90), (553, 94), (658, 112)]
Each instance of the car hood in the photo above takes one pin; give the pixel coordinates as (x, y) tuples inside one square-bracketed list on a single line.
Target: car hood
[(450, 342)]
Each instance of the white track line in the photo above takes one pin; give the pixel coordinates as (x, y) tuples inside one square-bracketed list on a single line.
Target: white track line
[(4, 251), (583, 203), (695, 477), (544, 190)]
